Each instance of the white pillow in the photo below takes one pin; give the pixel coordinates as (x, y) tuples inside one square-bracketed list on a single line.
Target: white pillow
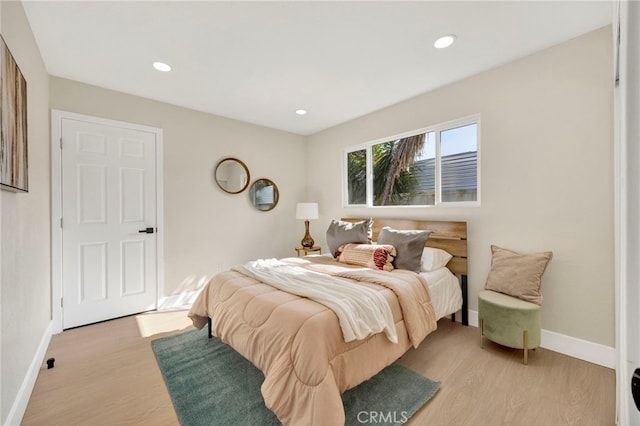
[(434, 258)]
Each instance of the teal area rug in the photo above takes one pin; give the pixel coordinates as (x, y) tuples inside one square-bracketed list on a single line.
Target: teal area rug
[(211, 384)]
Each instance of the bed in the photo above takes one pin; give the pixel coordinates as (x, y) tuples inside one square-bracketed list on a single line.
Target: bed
[(300, 345)]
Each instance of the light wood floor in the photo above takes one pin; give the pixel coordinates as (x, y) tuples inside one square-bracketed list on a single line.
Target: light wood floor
[(106, 374)]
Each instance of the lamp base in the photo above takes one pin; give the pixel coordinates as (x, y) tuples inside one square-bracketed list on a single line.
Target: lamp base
[(307, 241)]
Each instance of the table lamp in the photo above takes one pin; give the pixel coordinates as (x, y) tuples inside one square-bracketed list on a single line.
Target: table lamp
[(307, 211)]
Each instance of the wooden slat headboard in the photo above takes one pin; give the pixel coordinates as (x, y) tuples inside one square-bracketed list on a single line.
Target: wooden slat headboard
[(449, 236)]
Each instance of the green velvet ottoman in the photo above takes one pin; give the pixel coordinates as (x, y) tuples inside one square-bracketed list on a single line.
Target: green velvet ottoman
[(509, 321)]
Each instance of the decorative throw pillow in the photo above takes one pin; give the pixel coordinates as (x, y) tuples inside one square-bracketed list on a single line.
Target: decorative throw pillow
[(518, 275), (434, 258), (408, 244), (340, 233), (374, 256)]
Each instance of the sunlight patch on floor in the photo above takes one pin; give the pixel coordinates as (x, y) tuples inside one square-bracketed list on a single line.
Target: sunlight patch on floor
[(152, 323)]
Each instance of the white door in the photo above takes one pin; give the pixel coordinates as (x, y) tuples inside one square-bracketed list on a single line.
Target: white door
[(108, 179)]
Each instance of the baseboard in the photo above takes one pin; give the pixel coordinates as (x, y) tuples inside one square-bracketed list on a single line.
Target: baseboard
[(24, 393), (578, 348), (571, 346)]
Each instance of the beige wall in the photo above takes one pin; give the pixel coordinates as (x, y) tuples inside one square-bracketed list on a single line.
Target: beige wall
[(25, 258), (546, 173), (205, 229)]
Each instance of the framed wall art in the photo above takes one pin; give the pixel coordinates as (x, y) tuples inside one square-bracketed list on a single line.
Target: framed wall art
[(14, 171)]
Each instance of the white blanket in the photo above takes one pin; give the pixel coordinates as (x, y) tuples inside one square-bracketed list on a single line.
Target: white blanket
[(361, 311)]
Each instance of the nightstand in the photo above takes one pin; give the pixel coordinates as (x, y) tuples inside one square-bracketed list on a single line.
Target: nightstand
[(307, 250)]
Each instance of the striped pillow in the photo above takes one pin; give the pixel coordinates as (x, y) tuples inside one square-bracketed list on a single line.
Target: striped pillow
[(375, 256)]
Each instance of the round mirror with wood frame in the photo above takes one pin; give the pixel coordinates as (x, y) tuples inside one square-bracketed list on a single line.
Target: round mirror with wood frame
[(232, 175), (264, 194)]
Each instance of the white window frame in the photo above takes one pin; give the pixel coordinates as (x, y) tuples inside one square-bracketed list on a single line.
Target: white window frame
[(437, 128)]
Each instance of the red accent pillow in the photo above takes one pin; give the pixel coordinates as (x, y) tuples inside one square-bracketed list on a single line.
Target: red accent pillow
[(375, 256)]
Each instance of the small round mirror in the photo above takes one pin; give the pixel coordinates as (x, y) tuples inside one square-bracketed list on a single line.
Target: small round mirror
[(232, 175), (264, 194)]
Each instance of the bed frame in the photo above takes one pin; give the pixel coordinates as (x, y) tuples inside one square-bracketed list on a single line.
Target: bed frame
[(446, 235)]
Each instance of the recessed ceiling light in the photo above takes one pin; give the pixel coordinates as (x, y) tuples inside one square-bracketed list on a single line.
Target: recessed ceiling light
[(445, 41), (301, 111), (161, 66)]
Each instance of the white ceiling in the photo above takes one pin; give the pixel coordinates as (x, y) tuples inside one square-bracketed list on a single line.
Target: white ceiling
[(260, 61)]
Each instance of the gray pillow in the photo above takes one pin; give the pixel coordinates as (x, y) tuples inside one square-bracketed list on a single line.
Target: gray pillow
[(408, 244), (340, 233)]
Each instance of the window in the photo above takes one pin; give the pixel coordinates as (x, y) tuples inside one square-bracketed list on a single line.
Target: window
[(357, 176), (432, 166)]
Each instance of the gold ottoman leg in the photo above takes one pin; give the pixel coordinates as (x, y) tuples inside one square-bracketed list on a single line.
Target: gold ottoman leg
[(481, 334), (525, 339)]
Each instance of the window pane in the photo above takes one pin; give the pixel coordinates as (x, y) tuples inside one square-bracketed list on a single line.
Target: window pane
[(357, 176), (426, 172), (459, 163), (401, 175)]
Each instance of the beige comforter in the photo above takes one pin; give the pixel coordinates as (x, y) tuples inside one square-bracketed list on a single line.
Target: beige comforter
[(298, 343)]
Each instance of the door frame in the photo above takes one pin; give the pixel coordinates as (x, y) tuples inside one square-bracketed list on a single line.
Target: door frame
[(626, 25), (57, 116)]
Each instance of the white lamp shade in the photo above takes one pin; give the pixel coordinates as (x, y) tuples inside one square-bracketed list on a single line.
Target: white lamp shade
[(307, 211)]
